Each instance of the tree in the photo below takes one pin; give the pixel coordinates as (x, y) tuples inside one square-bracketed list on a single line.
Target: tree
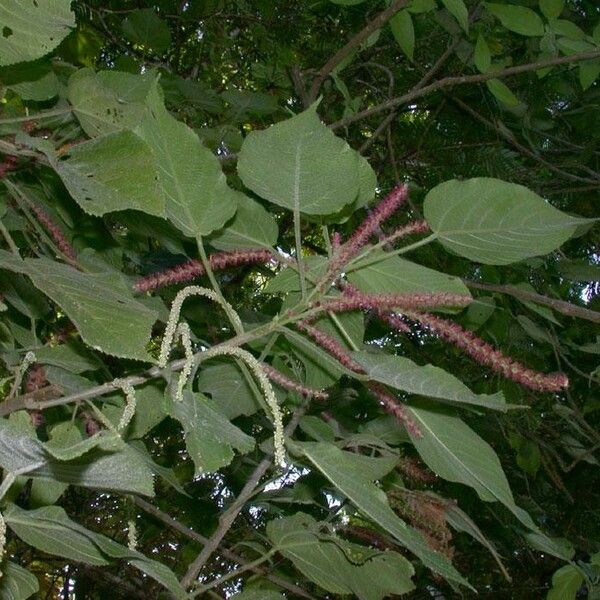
[(298, 299)]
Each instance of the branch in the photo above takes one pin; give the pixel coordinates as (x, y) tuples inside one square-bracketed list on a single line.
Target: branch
[(463, 80), (509, 137), (379, 21), (229, 516), (197, 537), (565, 308)]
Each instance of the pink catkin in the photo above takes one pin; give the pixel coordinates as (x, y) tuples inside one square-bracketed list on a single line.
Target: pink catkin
[(409, 229), (192, 269), (356, 300), (8, 164), (55, 232), (487, 355), (394, 407), (285, 382), (330, 345), (379, 214)]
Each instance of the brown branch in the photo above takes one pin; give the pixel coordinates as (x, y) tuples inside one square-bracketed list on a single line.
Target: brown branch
[(565, 308), (509, 137), (227, 519), (463, 80), (379, 21), (197, 537)]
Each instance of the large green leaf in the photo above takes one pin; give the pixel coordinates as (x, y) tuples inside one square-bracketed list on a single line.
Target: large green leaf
[(341, 469), (519, 19), (108, 101), (300, 163), (566, 583), (112, 172), (50, 530), (197, 197), (405, 375), (69, 356), (455, 452), (17, 583), (336, 565), (251, 227), (404, 32), (122, 470), (495, 222), (209, 436), (100, 305), (31, 29)]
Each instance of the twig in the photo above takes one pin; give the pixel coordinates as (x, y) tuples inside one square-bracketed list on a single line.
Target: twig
[(508, 136), (565, 308), (229, 516), (463, 80), (197, 537), (381, 19)]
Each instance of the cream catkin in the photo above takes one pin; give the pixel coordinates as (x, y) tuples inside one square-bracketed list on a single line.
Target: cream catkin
[(130, 403), (132, 537), (267, 388), (192, 290), (2, 540), (185, 336)]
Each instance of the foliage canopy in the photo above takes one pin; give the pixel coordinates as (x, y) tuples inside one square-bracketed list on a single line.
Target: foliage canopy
[(299, 299)]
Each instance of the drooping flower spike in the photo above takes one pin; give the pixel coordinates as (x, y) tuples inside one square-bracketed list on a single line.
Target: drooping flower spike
[(486, 354), (293, 386), (192, 269), (54, 231)]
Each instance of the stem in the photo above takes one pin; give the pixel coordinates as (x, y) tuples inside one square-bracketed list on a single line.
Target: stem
[(236, 573), (215, 285), (299, 257), (357, 264), (9, 240), (49, 113), (9, 479)]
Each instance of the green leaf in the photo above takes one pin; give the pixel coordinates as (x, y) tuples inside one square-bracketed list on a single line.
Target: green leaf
[(502, 92), (336, 565), (198, 200), (452, 450), (244, 103), (519, 19), (30, 30), (112, 172), (251, 227), (398, 276), (589, 71), (347, 2), (405, 375), (347, 473), (17, 583), (108, 101), (209, 436), (70, 356), (459, 11), (421, 6), (300, 163), (404, 32), (566, 582), (551, 9), (123, 471), (495, 222), (567, 28), (229, 387), (482, 56), (144, 28), (41, 89), (579, 270), (50, 530), (100, 305)]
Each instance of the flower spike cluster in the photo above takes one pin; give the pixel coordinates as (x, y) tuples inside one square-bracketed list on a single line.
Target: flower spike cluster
[(192, 269)]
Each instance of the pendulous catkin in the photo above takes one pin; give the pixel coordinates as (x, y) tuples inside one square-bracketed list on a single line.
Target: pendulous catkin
[(192, 269), (55, 232), (394, 407), (293, 386), (487, 355)]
